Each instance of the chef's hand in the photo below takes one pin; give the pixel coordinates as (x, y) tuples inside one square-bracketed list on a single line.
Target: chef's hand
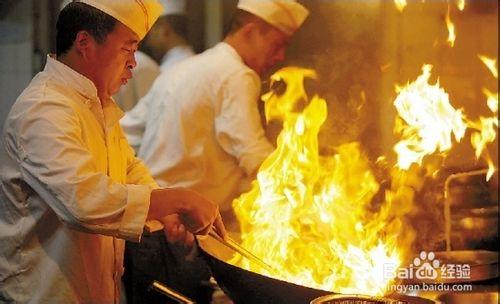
[(197, 213), (200, 217), (176, 232)]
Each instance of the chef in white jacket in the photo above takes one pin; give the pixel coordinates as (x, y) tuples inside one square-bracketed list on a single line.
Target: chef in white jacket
[(167, 44), (71, 189), (170, 39), (203, 129)]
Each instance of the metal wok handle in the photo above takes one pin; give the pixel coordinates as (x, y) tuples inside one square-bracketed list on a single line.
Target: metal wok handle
[(172, 294)]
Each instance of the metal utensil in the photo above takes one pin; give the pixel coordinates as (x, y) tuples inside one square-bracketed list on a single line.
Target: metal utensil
[(152, 226), (228, 242)]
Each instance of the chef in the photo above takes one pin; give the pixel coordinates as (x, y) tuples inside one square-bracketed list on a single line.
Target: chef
[(71, 190), (203, 130), (168, 38)]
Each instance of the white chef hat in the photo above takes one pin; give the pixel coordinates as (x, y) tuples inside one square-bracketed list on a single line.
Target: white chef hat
[(285, 15), (64, 3), (137, 15), (174, 7)]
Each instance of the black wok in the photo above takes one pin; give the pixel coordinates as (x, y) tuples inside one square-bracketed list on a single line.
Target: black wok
[(244, 286)]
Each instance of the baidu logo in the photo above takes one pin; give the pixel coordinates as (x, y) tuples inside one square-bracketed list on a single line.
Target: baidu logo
[(427, 267)]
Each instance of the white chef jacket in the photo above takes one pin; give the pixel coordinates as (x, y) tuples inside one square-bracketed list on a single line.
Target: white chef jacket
[(203, 129), (174, 56), (70, 189), (134, 121), (143, 76)]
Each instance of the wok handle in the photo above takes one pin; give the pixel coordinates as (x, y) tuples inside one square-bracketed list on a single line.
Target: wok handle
[(169, 292)]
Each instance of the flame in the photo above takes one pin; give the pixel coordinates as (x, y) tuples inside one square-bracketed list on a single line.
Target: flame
[(312, 218), (486, 134), (492, 100), (400, 4), (485, 130), (491, 64), (427, 120), (308, 215), (461, 4), (451, 29), (487, 127)]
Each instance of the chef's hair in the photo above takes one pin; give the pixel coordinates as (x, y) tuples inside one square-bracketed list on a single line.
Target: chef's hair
[(76, 17), (241, 18)]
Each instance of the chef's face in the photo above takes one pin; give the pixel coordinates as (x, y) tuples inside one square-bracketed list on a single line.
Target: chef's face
[(269, 45), (113, 60)]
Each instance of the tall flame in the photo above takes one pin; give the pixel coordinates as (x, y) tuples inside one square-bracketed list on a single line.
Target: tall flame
[(308, 215), (312, 217), (451, 28), (429, 120), (400, 4)]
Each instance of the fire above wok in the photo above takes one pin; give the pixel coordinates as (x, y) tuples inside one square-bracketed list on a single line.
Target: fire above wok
[(244, 286)]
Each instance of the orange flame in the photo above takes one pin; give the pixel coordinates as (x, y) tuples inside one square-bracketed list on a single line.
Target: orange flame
[(491, 64), (429, 120), (311, 217), (461, 4), (307, 215), (451, 29), (486, 128), (400, 4)]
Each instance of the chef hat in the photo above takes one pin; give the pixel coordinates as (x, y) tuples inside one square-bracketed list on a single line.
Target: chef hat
[(64, 3), (174, 7), (285, 15), (138, 15)]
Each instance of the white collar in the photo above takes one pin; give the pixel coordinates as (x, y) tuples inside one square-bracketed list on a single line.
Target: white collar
[(71, 78)]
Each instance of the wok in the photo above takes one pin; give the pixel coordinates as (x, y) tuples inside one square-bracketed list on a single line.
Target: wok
[(244, 286)]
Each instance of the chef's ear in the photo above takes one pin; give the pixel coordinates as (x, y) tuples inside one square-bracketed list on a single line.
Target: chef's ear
[(83, 42), (248, 29)]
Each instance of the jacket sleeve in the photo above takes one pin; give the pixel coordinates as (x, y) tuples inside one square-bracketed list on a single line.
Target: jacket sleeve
[(55, 163), (237, 121)]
